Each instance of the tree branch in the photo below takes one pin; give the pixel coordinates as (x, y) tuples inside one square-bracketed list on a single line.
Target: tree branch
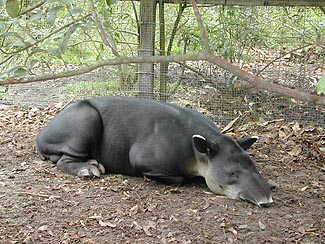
[(204, 35), (254, 80), (117, 61), (261, 84), (101, 31), (175, 27)]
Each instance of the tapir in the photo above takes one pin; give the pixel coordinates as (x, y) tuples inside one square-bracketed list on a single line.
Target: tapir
[(158, 140)]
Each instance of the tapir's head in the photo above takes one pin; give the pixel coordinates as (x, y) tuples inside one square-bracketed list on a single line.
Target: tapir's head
[(228, 169)]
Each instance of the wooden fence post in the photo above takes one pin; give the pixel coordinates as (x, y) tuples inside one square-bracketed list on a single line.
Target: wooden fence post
[(146, 47)]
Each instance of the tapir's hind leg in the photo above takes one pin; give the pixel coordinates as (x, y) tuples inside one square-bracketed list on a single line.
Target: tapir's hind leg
[(72, 140), (73, 166)]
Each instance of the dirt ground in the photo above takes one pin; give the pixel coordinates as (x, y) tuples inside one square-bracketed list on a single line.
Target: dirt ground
[(40, 204)]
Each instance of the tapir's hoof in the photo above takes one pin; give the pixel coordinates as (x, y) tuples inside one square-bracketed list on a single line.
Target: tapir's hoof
[(93, 169)]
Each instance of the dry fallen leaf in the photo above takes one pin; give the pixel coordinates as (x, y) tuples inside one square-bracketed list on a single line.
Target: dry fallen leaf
[(28, 240), (295, 151), (106, 224), (322, 150), (261, 225), (151, 207), (302, 230), (45, 228), (232, 230), (282, 134), (137, 225), (296, 128), (230, 125), (304, 188), (241, 227), (95, 216), (134, 210), (146, 230), (222, 225)]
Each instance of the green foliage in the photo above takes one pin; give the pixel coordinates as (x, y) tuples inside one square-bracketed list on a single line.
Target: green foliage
[(60, 32), (320, 88), (233, 30), (13, 8), (111, 2), (63, 32)]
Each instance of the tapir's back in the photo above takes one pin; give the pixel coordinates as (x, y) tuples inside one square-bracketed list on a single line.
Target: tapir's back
[(144, 113)]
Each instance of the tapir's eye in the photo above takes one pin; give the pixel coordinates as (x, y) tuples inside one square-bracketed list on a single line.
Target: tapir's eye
[(232, 177)]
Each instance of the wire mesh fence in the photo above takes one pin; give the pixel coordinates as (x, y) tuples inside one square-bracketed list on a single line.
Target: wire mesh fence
[(261, 40)]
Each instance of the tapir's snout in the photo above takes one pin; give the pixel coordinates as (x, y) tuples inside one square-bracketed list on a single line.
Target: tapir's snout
[(265, 203), (257, 191)]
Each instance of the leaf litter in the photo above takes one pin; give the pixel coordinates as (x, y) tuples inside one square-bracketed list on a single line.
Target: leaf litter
[(40, 204)]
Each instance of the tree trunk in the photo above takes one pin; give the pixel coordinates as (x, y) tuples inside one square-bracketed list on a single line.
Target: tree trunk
[(163, 65)]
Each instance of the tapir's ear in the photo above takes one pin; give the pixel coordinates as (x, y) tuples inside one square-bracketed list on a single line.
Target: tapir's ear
[(247, 142), (200, 143)]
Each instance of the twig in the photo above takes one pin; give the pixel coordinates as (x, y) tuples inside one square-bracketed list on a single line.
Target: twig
[(277, 58), (175, 27), (322, 9), (5, 141), (137, 20), (67, 103), (194, 70), (32, 8), (38, 195), (181, 9)]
